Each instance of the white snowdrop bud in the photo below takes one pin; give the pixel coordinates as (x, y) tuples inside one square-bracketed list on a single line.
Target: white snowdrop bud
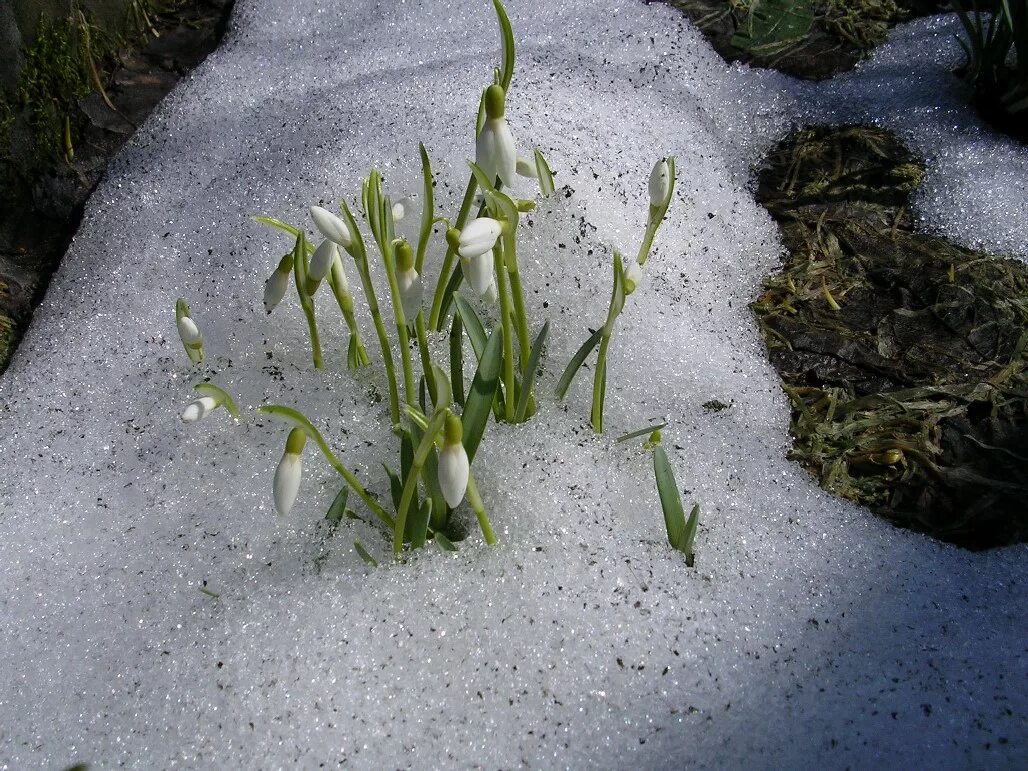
[(339, 275), (286, 485), (526, 168), (275, 289), (633, 276), (478, 237), (200, 408), (408, 281), (331, 226), (401, 207), (478, 272), (454, 469), (321, 261), (495, 151), (660, 183), (188, 332), (491, 295)]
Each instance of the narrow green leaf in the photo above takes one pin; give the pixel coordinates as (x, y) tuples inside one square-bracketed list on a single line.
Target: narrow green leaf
[(338, 508), (451, 288), (689, 535), (483, 390), (473, 325), (507, 41), (457, 359), (364, 554), (670, 500), (395, 486), (352, 357), (215, 392), (419, 524), (641, 432), (530, 373), (444, 393), (576, 362), (427, 208), (285, 227), (406, 453), (444, 543), (542, 170)]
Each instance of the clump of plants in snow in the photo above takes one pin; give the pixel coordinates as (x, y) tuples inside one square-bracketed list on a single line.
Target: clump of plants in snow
[(440, 423)]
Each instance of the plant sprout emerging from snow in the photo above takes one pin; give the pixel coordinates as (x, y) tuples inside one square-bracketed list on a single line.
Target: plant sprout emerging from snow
[(439, 422), (188, 332)]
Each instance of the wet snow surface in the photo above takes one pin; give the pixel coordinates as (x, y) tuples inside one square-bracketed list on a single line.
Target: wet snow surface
[(810, 633)]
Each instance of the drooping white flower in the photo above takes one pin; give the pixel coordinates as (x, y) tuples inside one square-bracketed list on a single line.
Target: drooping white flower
[(454, 469), (321, 261), (286, 485), (478, 272), (188, 332), (526, 168), (401, 207), (660, 183), (495, 151), (275, 289), (199, 408), (408, 281), (478, 237), (332, 227), (633, 276)]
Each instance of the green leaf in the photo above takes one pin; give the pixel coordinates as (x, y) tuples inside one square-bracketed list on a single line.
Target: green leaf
[(451, 288), (406, 453), (473, 325), (444, 543), (483, 389), (444, 392), (530, 373), (338, 508), (395, 486), (576, 362), (689, 536), (215, 392), (774, 25), (542, 170), (670, 500), (641, 432), (352, 355), (507, 41), (419, 524), (278, 224), (427, 208), (457, 359), (364, 554)]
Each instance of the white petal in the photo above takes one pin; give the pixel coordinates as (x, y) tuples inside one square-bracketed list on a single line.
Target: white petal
[(495, 151), (478, 272), (479, 236), (275, 289), (199, 409), (401, 207), (633, 276), (526, 168), (491, 295), (331, 226), (188, 331), (453, 473), (411, 291), (660, 183), (287, 482), (321, 261)]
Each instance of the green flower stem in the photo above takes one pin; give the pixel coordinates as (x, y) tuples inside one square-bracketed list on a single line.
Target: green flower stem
[(520, 316), (434, 321), (508, 337), (389, 260), (647, 242), (479, 508), (600, 381), (426, 357), (360, 259), (410, 484), (345, 303), (306, 301)]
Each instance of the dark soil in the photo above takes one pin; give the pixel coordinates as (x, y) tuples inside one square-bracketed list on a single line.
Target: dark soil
[(843, 33), (903, 355), (40, 215)]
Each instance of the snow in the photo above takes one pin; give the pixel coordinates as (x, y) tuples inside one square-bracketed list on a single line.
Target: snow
[(810, 632)]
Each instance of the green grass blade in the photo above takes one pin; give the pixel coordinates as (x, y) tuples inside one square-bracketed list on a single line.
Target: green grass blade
[(530, 373), (641, 432), (670, 500), (337, 510), (444, 543), (483, 390), (473, 325), (576, 362)]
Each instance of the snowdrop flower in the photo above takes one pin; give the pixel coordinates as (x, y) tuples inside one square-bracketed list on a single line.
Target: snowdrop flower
[(660, 184), (494, 151), (478, 237), (633, 276), (331, 226), (321, 264), (409, 282), (277, 284), (287, 476), (454, 468), (188, 332), (200, 408), (478, 272), (526, 168), (401, 207)]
